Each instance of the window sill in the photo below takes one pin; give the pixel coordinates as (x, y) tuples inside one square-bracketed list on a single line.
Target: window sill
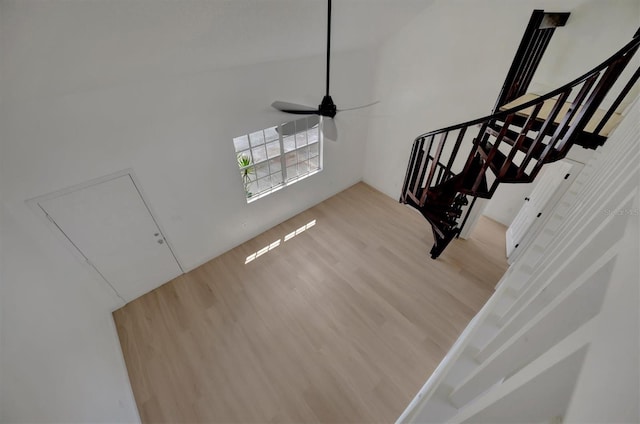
[(281, 186)]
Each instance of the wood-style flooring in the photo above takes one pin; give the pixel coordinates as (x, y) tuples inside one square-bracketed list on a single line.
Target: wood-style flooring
[(336, 315)]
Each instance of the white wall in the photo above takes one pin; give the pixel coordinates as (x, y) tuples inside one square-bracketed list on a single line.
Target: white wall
[(448, 64), (1, 248), (176, 134), (608, 388), (507, 201), (61, 360), (171, 118)]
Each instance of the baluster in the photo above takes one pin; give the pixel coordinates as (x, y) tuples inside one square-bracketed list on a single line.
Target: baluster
[(417, 144), (520, 140), (543, 131), (416, 167), (617, 101), (454, 152), (434, 164), (562, 129), (440, 176), (571, 112), (425, 156), (492, 153), (609, 77), (482, 134), (532, 64)]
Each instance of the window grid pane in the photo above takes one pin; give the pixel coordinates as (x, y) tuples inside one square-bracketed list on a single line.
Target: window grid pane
[(301, 133), (271, 134), (289, 143), (262, 170), (256, 138), (275, 165), (312, 135), (313, 149), (241, 143), (273, 149)]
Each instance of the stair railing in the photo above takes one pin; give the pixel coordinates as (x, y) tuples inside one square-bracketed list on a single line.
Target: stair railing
[(543, 140)]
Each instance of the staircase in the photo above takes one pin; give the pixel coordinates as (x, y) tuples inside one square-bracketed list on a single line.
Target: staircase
[(451, 167), (556, 340)]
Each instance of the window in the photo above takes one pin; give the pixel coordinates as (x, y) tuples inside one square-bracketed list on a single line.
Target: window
[(275, 157)]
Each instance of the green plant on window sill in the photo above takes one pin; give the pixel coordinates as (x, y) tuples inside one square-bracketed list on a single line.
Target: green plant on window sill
[(247, 170)]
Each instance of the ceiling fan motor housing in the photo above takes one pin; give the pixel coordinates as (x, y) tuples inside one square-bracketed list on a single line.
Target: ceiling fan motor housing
[(327, 107)]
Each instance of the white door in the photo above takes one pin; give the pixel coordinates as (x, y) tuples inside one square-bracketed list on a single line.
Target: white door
[(111, 226), (554, 176)]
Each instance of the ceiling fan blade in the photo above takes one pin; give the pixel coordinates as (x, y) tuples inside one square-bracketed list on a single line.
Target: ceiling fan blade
[(294, 108), (360, 107), (329, 130), (289, 128)]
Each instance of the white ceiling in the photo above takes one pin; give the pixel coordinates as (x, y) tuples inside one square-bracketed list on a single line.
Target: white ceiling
[(91, 43)]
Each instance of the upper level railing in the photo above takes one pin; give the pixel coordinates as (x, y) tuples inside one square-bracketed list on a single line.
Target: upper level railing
[(538, 131)]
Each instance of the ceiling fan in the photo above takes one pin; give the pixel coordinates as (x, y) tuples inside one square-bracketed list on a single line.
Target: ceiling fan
[(327, 109)]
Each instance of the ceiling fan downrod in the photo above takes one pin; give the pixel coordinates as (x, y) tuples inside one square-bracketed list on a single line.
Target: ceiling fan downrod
[(328, 45), (327, 107)]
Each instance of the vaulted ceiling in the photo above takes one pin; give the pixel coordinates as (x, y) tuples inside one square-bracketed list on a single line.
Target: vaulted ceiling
[(92, 43)]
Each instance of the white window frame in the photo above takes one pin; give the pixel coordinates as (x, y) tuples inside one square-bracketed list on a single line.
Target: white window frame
[(282, 155)]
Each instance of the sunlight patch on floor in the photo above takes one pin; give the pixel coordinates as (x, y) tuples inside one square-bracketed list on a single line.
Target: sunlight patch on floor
[(277, 243)]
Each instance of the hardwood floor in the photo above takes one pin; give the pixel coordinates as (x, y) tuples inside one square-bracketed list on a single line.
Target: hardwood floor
[(343, 322)]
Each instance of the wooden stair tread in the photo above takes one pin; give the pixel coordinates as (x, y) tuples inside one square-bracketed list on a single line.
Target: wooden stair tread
[(611, 124), (498, 161), (511, 137)]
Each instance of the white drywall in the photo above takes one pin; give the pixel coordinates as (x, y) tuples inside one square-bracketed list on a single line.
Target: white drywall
[(90, 91), (608, 388), (2, 277), (2, 237), (507, 202), (448, 64), (61, 360), (1, 246), (176, 135), (87, 45)]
